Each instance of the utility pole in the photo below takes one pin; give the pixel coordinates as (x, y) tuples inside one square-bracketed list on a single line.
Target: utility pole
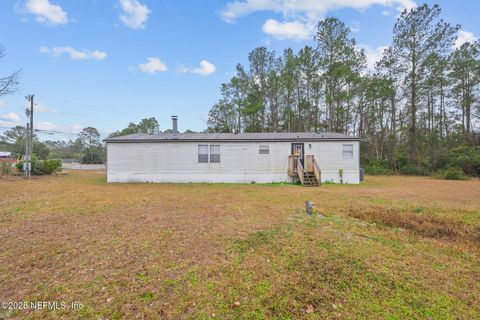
[(26, 162), (30, 149)]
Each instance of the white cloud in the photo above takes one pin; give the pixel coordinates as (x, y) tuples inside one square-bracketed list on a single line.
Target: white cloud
[(300, 17), (45, 125), (206, 68), (49, 126), (75, 128), (464, 37), (183, 69), (41, 108), (289, 8), (73, 53), (46, 12), (9, 120), (153, 65), (287, 30), (3, 104), (10, 117), (372, 54), (135, 14), (355, 26), (386, 13), (98, 55)]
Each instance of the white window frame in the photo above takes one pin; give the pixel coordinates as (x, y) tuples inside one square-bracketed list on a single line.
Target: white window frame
[(347, 152), (214, 157), (209, 156), (202, 160)]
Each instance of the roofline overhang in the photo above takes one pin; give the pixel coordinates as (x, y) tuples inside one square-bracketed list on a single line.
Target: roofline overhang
[(229, 140)]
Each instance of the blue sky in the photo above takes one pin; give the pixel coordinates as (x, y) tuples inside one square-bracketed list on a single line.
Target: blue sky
[(105, 63)]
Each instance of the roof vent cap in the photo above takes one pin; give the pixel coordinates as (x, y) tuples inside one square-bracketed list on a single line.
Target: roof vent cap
[(174, 124)]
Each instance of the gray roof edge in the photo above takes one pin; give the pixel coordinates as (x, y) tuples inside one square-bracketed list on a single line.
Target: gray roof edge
[(160, 140)]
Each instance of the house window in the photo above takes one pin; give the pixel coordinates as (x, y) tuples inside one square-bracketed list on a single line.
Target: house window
[(348, 151), (264, 150), (214, 153), (203, 153)]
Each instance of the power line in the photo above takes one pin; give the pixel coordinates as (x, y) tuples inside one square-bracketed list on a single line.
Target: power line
[(41, 130), (49, 131), (55, 132)]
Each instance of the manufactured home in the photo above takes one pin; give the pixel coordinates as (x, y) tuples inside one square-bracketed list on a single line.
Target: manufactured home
[(310, 158)]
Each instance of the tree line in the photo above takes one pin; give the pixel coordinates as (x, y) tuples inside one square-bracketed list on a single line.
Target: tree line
[(418, 110), (86, 148)]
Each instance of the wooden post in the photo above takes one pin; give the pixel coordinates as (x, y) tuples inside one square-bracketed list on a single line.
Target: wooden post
[(309, 163)]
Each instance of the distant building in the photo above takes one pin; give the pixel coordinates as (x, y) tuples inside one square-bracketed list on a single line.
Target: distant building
[(234, 157), (5, 155)]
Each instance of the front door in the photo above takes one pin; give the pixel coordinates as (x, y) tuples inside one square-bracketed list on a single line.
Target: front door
[(297, 150)]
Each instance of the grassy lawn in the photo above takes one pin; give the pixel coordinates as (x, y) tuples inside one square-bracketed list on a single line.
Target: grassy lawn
[(390, 248)]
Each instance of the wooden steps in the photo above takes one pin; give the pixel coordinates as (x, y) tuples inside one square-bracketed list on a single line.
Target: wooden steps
[(309, 180), (310, 176)]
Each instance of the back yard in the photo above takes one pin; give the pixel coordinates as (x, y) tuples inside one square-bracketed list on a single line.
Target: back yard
[(391, 248)]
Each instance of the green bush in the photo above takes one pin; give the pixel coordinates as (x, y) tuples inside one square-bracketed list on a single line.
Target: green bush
[(377, 167), (5, 168), (453, 173), (42, 167), (465, 157), (376, 170), (413, 170), (52, 165), (45, 167)]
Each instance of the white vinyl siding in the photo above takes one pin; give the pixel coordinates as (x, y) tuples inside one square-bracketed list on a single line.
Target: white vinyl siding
[(239, 162)]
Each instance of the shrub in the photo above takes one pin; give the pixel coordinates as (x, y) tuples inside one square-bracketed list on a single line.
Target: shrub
[(375, 170), (377, 167), (42, 167), (5, 168), (465, 157), (52, 165), (453, 173), (414, 170)]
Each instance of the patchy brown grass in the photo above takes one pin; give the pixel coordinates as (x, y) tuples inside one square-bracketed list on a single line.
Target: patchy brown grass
[(422, 224), (226, 251)]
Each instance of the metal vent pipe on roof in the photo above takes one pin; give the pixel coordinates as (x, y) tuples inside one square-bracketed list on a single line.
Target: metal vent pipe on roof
[(174, 124)]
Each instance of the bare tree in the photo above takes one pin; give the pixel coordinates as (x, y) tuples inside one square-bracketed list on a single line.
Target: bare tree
[(8, 84)]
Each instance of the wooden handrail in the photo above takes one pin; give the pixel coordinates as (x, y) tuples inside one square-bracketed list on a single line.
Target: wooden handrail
[(295, 168), (300, 171), (317, 171), (309, 158), (292, 165)]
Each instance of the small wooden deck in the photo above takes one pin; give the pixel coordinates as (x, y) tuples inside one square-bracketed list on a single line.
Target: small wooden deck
[(310, 176)]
